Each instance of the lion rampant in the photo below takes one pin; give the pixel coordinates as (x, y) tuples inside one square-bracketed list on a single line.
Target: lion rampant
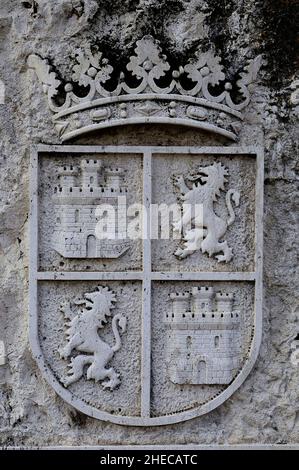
[(204, 231), (82, 336)]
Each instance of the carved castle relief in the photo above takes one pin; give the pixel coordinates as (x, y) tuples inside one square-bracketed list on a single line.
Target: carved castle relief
[(75, 207), (204, 343)]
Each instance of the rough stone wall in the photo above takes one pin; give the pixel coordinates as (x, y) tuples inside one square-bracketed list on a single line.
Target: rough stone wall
[(265, 408)]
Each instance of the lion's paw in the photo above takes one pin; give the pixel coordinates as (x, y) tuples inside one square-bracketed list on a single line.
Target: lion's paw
[(225, 258), (111, 384), (64, 353), (180, 253)]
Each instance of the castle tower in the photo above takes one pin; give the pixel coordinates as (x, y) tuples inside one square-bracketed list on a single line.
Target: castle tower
[(224, 302), (67, 176), (75, 211), (203, 346), (180, 303), (89, 171), (113, 178), (202, 299)]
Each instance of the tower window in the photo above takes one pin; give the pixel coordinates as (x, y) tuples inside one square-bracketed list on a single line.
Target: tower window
[(91, 179), (216, 341), (76, 216)]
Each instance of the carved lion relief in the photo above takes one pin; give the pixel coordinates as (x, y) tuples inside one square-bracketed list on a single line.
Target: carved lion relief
[(205, 230), (82, 335)]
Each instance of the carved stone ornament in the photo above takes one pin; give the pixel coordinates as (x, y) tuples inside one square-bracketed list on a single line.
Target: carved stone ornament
[(153, 331), (77, 194), (83, 336), (205, 189), (204, 341), (197, 105)]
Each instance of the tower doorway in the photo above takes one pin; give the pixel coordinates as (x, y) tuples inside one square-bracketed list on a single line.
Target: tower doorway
[(91, 246), (200, 372)]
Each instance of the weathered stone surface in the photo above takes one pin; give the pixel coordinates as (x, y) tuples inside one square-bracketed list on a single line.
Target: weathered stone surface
[(264, 409)]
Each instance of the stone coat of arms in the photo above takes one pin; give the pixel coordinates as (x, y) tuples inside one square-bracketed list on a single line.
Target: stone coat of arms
[(159, 330)]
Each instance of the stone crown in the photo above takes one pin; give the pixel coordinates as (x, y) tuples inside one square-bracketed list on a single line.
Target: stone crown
[(159, 95)]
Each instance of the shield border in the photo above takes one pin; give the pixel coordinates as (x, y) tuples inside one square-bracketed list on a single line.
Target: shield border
[(146, 277)]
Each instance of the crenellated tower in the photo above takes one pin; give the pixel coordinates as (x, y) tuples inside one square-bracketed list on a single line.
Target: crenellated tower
[(114, 177), (89, 172), (78, 193), (204, 343), (224, 302), (180, 303), (67, 175), (202, 299)]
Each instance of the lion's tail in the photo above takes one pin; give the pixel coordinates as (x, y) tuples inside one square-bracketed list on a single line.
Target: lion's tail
[(119, 321), (232, 195)]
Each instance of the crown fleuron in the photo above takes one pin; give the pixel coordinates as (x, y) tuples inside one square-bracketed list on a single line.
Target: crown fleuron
[(160, 95)]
